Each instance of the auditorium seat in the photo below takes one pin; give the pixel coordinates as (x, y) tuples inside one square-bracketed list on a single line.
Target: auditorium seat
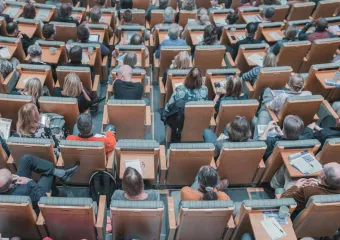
[(81, 12), (251, 165), (9, 83), (3, 25), (49, 12), (266, 30), (138, 49), (281, 12), (74, 218), (61, 53), (184, 15), (42, 72), (102, 29), (326, 114), (249, 14), (65, 31), (194, 34), (300, 11), (138, 16), (14, 46), (218, 16), (175, 77), (14, 9), (330, 150), (230, 38), (139, 4), (31, 27), (156, 17), (207, 57), (183, 161), (325, 9), (108, 14), (125, 32), (245, 51)]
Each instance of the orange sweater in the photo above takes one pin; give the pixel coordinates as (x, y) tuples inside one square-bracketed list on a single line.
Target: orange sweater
[(109, 140), (189, 194)]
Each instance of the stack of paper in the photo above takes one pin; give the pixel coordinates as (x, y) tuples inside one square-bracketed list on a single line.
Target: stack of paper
[(220, 21), (257, 59), (305, 162), (4, 52), (261, 128), (84, 58), (42, 13), (273, 228), (334, 28), (134, 164)]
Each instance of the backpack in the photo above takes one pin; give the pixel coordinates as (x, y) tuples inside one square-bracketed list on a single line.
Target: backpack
[(56, 126), (102, 183), (174, 118)]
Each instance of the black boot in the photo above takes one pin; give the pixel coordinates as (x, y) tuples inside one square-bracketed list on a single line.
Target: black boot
[(66, 174)]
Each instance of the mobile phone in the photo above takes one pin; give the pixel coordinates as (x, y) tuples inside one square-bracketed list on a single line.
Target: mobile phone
[(233, 37)]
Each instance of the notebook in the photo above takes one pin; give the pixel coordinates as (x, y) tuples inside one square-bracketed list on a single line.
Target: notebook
[(4, 52), (94, 38), (257, 59), (134, 164), (42, 13), (305, 162), (84, 58), (273, 228), (240, 37), (12, 11)]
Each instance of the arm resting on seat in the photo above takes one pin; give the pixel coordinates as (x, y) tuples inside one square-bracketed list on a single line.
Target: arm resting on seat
[(164, 167), (101, 218), (172, 219), (41, 226), (229, 60), (272, 114)]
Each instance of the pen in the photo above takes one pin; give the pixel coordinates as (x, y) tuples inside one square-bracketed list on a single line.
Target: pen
[(278, 227)]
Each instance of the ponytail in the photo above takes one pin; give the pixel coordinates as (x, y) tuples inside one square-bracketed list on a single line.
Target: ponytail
[(209, 194)]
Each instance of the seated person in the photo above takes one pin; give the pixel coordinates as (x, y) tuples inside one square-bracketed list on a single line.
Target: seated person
[(85, 127), (192, 89), (209, 187), (327, 132), (329, 183), (7, 18), (187, 5), (74, 88), (13, 32), (210, 36), (130, 59), (182, 61), (155, 5), (48, 32), (267, 14), (96, 18), (133, 188), (100, 3), (237, 130), (126, 20), (6, 68), (293, 129), (269, 60), (168, 17), (230, 19), (202, 19), (65, 14), (231, 90), (244, 4), (321, 31), (173, 40), (22, 184), (137, 39), (290, 36)]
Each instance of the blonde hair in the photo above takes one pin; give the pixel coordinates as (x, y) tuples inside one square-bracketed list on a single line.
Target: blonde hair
[(269, 60), (72, 86), (182, 60), (34, 88), (28, 118)]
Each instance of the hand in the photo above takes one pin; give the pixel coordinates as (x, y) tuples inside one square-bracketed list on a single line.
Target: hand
[(272, 125), (311, 182), (23, 180), (15, 177), (299, 183), (220, 91)]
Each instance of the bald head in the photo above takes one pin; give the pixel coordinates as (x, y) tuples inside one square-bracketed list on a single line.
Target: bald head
[(321, 24), (125, 73), (332, 174), (5, 179)]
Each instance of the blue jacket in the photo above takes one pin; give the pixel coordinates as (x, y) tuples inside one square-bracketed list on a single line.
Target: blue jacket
[(170, 42)]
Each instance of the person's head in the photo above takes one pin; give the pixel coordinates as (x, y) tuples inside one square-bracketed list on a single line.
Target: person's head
[(202, 16), (163, 4), (83, 33), (34, 88), (173, 31), (12, 29), (168, 15), (188, 5), (182, 60), (269, 60), (136, 39), (127, 16), (124, 73), (269, 13), (6, 67), (28, 119), (96, 14), (72, 86), (48, 31), (34, 51), (245, 2), (251, 29), (75, 54), (214, 3), (84, 124), (194, 79), (296, 83), (132, 182), (130, 59), (293, 127), (207, 181), (233, 87), (65, 10), (5, 180), (321, 24), (209, 35), (100, 3), (231, 18), (239, 129), (330, 175), (29, 11), (291, 32)]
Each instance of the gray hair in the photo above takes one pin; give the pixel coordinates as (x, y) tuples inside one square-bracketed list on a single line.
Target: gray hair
[(130, 59), (34, 51), (5, 67), (332, 174), (173, 31), (168, 15), (84, 124), (96, 14), (293, 127)]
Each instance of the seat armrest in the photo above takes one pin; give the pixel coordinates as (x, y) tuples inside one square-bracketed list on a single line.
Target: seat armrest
[(249, 89), (161, 93), (272, 114), (213, 163), (60, 162), (109, 91), (5, 82), (171, 219), (156, 61), (101, 218), (104, 68), (229, 60), (95, 90), (163, 165), (105, 120), (260, 170), (110, 161), (148, 118), (230, 228), (212, 123), (147, 91), (41, 226)]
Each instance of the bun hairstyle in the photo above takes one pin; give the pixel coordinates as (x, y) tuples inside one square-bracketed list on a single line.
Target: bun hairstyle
[(208, 180)]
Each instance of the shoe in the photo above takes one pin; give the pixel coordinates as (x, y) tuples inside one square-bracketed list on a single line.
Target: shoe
[(224, 183), (69, 173)]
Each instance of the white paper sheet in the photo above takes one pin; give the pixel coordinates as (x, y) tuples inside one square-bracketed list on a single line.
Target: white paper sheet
[(42, 13), (12, 11), (4, 52), (240, 37), (134, 164), (199, 37), (257, 59), (220, 21), (94, 38), (252, 18), (84, 58), (275, 35), (5, 127), (334, 28), (273, 228), (306, 163), (102, 20)]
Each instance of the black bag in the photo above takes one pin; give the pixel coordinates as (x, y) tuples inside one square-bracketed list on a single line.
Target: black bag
[(174, 118), (102, 183)]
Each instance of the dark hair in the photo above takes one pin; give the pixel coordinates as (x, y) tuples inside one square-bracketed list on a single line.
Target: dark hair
[(132, 182), (125, 4), (83, 33), (251, 29), (84, 124), (232, 18), (65, 10), (127, 16), (100, 2), (136, 39), (209, 35), (293, 127), (208, 180), (95, 14), (29, 11), (321, 24), (233, 87), (194, 79), (239, 129), (269, 12), (75, 54), (11, 27), (163, 4), (130, 59), (270, 2), (48, 30)]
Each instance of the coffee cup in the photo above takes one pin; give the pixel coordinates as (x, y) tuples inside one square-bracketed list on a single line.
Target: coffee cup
[(53, 50), (284, 212)]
